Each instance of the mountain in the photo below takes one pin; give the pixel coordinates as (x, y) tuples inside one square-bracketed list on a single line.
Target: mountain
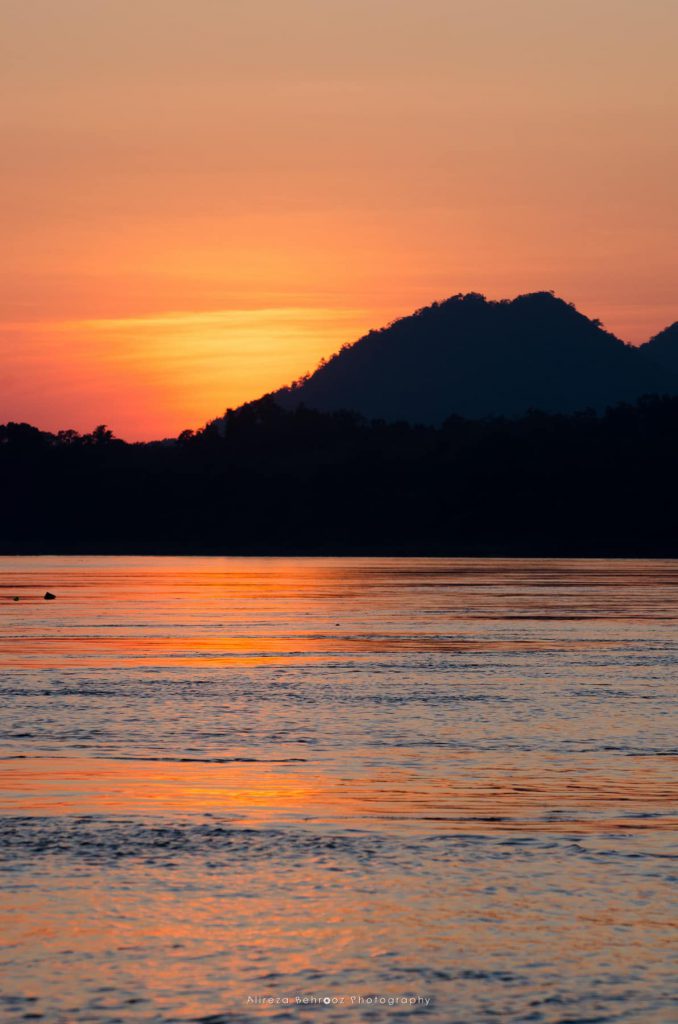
[(472, 357), (663, 348)]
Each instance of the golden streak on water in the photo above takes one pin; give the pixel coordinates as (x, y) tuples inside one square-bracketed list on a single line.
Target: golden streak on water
[(469, 796)]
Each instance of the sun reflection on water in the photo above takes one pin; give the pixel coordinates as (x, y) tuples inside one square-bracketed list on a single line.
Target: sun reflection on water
[(224, 777)]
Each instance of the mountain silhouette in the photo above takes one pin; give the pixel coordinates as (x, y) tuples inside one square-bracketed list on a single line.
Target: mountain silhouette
[(663, 348), (469, 428), (471, 357)]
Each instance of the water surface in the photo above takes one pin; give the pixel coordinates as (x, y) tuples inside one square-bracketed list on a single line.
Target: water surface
[(414, 788)]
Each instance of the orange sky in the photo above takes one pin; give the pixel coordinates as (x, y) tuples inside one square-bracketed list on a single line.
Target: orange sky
[(199, 200)]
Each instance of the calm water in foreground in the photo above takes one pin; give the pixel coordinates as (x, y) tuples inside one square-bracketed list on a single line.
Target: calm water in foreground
[(398, 788)]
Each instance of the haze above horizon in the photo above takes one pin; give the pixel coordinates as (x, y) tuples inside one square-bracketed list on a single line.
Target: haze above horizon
[(201, 201)]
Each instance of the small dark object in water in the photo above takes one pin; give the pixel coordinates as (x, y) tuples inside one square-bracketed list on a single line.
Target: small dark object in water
[(15, 598), (50, 597)]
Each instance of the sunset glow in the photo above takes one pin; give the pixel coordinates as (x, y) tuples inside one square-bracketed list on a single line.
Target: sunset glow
[(200, 201)]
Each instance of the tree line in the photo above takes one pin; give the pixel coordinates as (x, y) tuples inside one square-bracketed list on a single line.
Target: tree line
[(265, 480)]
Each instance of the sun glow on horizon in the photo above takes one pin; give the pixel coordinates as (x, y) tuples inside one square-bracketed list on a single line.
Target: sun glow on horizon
[(286, 177), (177, 368)]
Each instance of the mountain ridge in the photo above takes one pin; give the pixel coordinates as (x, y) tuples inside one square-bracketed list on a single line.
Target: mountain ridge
[(474, 357), (663, 348)]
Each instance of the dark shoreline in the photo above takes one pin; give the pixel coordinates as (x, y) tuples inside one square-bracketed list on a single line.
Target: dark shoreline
[(269, 482)]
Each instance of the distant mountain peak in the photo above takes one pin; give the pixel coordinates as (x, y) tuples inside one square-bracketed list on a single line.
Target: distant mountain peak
[(476, 357)]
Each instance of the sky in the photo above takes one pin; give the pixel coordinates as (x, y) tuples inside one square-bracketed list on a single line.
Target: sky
[(200, 200)]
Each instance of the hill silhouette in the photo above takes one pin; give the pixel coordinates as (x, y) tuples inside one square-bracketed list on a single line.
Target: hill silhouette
[(663, 348), (440, 454), (471, 357)]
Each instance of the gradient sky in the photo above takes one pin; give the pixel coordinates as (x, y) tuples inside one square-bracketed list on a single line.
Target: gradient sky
[(200, 199)]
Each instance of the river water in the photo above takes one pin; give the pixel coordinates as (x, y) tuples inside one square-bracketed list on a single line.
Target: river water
[(239, 790)]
